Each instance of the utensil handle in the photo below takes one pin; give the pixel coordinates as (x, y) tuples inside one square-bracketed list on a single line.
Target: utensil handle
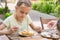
[(41, 23)]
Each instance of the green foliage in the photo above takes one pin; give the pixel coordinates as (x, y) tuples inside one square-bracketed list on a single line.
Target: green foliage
[(4, 10), (53, 7), (57, 14), (57, 11), (42, 7), (34, 6), (7, 14), (46, 8)]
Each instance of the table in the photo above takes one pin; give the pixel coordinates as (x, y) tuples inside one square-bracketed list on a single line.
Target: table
[(16, 37)]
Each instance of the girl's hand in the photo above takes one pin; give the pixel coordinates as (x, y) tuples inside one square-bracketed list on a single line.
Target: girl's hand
[(51, 24), (13, 29)]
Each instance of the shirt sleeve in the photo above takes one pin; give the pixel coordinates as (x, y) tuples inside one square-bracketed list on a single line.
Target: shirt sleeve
[(6, 22), (29, 20)]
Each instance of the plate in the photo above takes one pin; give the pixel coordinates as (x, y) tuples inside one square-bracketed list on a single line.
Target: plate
[(50, 34)]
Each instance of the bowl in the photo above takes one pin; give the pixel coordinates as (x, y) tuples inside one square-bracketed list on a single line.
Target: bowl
[(26, 33)]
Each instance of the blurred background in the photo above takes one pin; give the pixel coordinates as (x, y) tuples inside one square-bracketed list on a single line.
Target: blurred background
[(47, 9), (50, 7)]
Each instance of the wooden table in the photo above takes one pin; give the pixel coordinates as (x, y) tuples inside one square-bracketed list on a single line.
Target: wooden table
[(29, 38), (16, 37)]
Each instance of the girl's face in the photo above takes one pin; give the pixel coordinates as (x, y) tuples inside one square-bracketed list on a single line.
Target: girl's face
[(22, 11)]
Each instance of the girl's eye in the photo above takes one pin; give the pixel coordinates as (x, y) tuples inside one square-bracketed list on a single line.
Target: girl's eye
[(21, 11)]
